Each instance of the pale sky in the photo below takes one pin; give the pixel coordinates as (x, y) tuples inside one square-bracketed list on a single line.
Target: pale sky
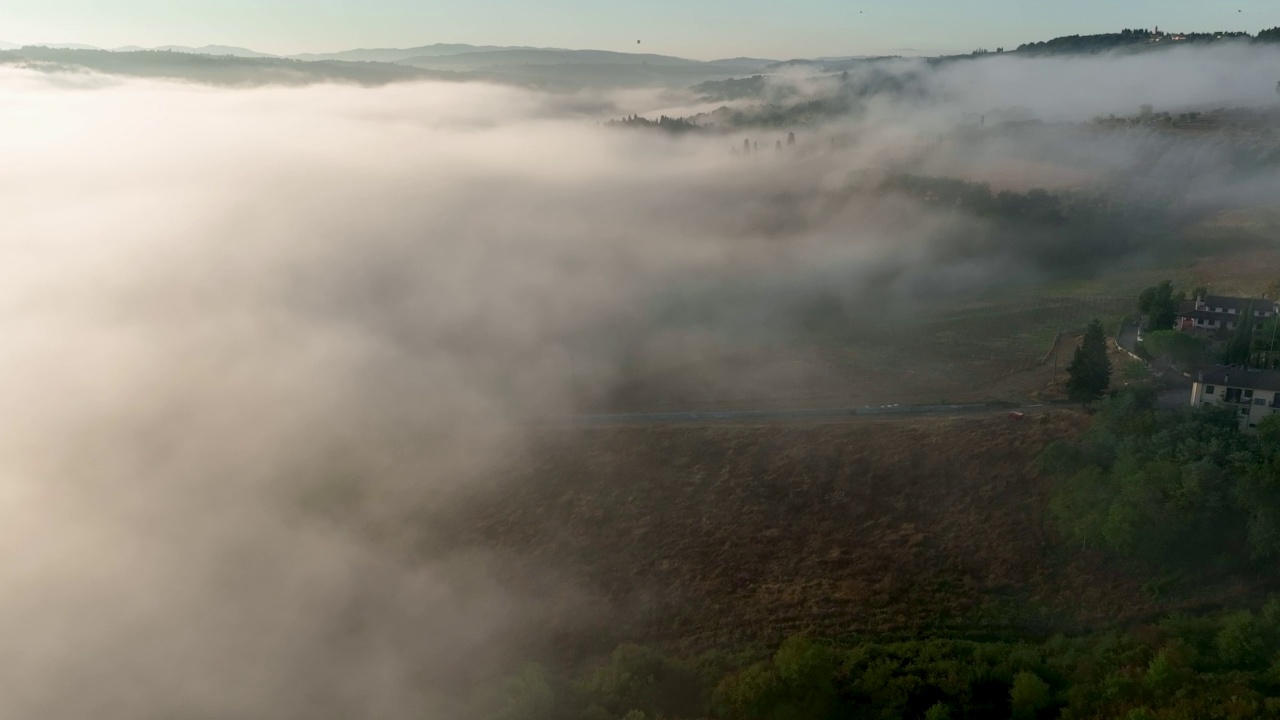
[(703, 29)]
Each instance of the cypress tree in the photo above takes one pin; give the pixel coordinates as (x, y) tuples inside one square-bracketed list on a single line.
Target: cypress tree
[(1089, 373), (1239, 350)]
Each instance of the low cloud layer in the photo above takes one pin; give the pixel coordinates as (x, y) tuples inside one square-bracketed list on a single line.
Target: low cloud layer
[(251, 334)]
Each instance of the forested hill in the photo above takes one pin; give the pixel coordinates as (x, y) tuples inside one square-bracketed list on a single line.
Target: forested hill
[(220, 69), (1138, 40)]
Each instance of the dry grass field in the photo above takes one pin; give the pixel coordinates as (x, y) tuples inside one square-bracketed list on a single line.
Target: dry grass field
[(718, 535)]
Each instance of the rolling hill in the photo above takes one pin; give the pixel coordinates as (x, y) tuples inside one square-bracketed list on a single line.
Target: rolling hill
[(217, 70), (391, 55), (588, 67), (535, 56), (204, 50)]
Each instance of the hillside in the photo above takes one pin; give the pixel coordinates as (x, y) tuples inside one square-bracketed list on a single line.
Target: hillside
[(535, 56), (399, 54), (1133, 40), (587, 67), (568, 68), (217, 50), (217, 70), (710, 535)]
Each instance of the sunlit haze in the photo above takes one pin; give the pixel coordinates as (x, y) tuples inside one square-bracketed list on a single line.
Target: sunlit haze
[(702, 30), (584, 361)]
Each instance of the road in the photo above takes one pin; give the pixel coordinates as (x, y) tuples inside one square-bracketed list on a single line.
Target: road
[(888, 411), (1177, 391), (1127, 339), (1175, 388)]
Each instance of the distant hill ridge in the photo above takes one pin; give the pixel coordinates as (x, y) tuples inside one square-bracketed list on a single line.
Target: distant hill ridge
[(463, 56), (539, 67), (1129, 39)]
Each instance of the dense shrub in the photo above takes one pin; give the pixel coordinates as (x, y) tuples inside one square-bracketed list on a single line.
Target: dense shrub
[(1225, 666), (1177, 488)]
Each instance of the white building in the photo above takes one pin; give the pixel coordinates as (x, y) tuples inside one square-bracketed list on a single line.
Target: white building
[(1253, 394), (1213, 313)]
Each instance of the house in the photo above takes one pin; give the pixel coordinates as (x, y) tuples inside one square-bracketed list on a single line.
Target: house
[(1213, 313), (1254, 394)]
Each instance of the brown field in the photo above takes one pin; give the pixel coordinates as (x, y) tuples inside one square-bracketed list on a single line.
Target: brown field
[(998, 348), (694, 536), (701, 536)]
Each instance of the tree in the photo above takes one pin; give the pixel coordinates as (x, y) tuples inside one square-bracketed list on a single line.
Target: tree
[(528, 695), (797, 685), (1240, 642), (639, 678), (1266, 338), (1175, 345), (1029, 695), (939, 711), (1239, 350), (1089, 374), (1160, 304)]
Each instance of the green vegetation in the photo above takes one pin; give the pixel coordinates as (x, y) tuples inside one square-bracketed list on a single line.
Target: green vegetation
[(1134, 371), (1089, 374), (1239, 349), (1160, 304), (1266, 338), (1181, 489), (732, 89), (1225, 666), (1127, 39), (1088, 43), (1064, 233), (1176, 346), (675, 125)]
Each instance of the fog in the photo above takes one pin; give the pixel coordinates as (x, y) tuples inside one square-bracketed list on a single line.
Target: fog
[(253, 337)]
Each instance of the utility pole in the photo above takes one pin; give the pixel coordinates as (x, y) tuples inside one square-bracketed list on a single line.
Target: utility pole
[(1057, 335)]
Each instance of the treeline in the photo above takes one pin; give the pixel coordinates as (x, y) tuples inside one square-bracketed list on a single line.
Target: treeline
[(1058, 232), (847, 96), (222, 69), (1130, 39), (1227, 666), (1035, 205), (1182, 490), (731, 89), (669, 124)]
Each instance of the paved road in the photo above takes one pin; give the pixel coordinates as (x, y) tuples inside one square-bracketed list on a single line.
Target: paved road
[(886, 411), (1175, 388), (1127, 339)]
